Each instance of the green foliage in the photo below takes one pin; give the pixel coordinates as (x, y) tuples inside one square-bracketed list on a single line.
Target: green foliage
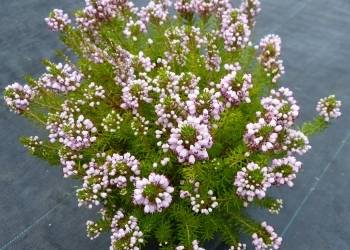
[(46, 151), (121, 130), (316, 126)]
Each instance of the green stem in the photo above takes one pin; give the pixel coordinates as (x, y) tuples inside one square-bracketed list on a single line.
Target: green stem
[(313, 127), (188, 234), (36, 118), (46, 105), (252, 228)]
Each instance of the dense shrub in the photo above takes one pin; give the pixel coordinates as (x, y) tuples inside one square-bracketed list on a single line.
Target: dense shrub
[(174, 124)]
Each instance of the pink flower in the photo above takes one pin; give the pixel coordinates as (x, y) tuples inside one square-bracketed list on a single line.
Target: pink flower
[(190, 140), (329, 108), (61, 78), (296, 142), (204, 8), (234, 29), (284, 170), (262, 135), (57, 20), (74, 133), (184, 7), (155, 11), (252, 181), (281, 106), (235, 85), (259, 242), (269, 57), (102, 179), (18, 97), (251, 9), (133, 93), (127, 236), (154, 193)]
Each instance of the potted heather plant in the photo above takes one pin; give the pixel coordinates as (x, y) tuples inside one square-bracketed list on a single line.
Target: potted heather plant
[(174, 124)]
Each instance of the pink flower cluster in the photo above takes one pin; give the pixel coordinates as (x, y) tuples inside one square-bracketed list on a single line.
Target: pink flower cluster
[(203, 205), (177, 97), (269, 57), (212, 56), (111, 123), (180, 40), (144, 62), (69, 168), (274, 241), (168, 87), (329, 108), (186, 83), (140, 125), (57, 20), (61, 78), (95, 12), (170, 111), (73, 132), (190, 140), (281, 106), (154, 193), (127, 236), (178, 45), (93, 229), (205, 7), (93, 94), (185, 113), (223, 5), (276, 206), (68, 160), (134, 28), (32, 143), (252, 181), (234, 87), (234, 29), (134, 92), (284, 170), (122, 64), (251, 9), (93, 53), (262, 135), (156, 10), (296, 142), (184, 7), (272, 131), (99, 180), (18, 97), (205, 105)]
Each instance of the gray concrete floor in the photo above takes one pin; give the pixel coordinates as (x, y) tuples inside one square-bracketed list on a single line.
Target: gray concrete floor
[(38, 209)]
